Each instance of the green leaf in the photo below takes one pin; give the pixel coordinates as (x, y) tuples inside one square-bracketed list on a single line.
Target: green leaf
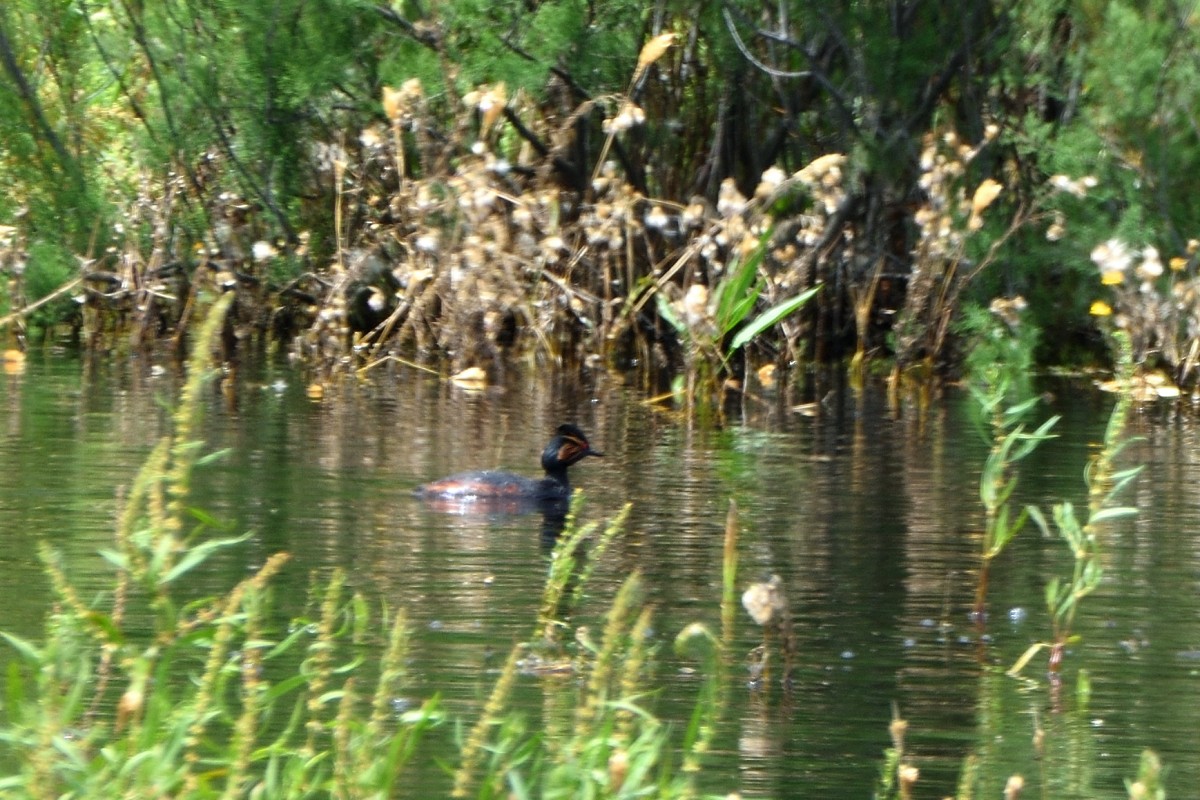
[(731, 292), (118, 560), (26, 649), (1014, 414), (771, 316), (1116, 512), (1039, 519), (667, 312), (216, 455), (1052, 594), (206, 519), (1021, 662), (197, 554)]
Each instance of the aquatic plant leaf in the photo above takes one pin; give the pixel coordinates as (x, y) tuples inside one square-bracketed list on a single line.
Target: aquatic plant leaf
[(206, 519), (667, 312), (771, 316), (14, 700), (1122, 479), (738, 311), (197, 554), (1015, 414), (1052, 594), (301, 632), (112, 632), (1030, 441), (731, 294), (26, 649), (213, 457), (1006, 531), (281, 688), (1039, 519), (1025, 658), (118, 560), (1116, 512), (517, 785)]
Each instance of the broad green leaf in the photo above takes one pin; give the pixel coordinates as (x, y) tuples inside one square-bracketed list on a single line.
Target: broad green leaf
[(731, 292), (770, 317)]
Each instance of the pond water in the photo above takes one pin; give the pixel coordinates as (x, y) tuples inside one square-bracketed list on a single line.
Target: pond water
[(868, 514)]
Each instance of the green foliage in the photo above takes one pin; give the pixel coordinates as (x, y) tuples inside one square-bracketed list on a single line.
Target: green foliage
[(1149, 782), (49, 267), (999, 384), (999, 346), (194, 691), (1084, 539)]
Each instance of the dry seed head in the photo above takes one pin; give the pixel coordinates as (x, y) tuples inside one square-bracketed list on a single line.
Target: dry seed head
[(897, 729), (656, 218), (1012, 789), (816, 170), (908, 775), (371, 137), (523, 217), (771, 180), (730, 201), (987, 191), (764, 602), (427, 242), (695, 305), (692, 215), (653, 50), (1151, 266), (1113, 254), (263, 251), (393, 103)]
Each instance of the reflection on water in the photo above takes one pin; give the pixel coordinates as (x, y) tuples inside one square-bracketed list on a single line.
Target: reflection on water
[(870, 517)]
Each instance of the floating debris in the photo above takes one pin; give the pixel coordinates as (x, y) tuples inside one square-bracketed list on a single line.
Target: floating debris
[(472, 378), (764, 601)]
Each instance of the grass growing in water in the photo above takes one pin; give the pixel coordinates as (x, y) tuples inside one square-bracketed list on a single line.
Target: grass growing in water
[(151, 692), (155, 693)]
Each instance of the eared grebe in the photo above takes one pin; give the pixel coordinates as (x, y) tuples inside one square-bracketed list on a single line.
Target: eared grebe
[(568, 446)]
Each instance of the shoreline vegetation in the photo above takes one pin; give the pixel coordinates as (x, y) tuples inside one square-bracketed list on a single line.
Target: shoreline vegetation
[(697, 200)]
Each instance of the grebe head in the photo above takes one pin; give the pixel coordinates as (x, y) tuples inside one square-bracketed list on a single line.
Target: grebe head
[(568, 446)]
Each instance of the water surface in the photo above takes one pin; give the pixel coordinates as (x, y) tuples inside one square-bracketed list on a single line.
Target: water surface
[(869, 515)]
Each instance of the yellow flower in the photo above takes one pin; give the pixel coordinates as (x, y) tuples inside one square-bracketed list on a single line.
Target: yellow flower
[(1100, 309), (1112, 277), (1177, 263)]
